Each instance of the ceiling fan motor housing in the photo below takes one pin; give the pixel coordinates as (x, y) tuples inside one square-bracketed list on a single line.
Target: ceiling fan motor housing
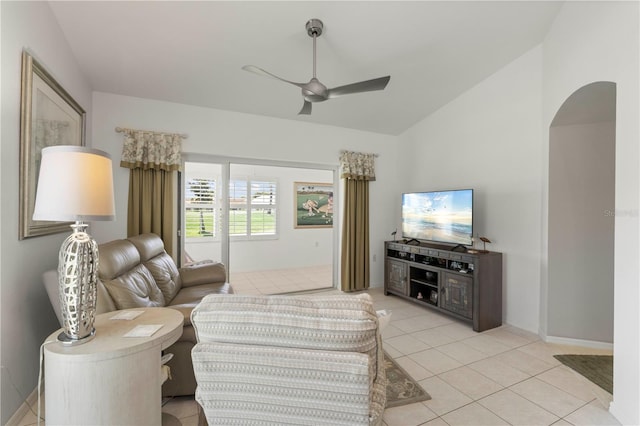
[(314, 91), (314, 27)]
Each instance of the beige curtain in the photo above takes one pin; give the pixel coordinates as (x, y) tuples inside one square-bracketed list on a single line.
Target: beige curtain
[(357, 169), (153, 159)]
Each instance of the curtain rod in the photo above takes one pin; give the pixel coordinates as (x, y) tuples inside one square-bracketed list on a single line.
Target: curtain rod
[(124, 130), (356, 152)]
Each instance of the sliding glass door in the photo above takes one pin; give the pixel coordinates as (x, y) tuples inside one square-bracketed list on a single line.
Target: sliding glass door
[(271, 224), (203, 230)]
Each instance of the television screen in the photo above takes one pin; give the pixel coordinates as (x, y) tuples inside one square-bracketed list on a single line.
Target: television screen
[(442, 216)]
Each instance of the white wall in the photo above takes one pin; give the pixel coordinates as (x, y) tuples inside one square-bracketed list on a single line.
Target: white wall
[(589, 42), (294, 247), (488, 139), (581, 192), (27, 316), (225, 133)]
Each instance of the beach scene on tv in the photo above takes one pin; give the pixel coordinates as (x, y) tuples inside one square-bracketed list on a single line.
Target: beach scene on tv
[(438, 216)]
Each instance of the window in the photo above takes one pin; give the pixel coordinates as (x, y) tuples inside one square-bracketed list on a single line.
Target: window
[(252, 208), (200, 207)]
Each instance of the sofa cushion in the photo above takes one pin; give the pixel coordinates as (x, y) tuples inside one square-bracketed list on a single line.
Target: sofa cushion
[(149, 245), (166, 274), (135, 288), (346, 323), (115, 258), (159, 263)]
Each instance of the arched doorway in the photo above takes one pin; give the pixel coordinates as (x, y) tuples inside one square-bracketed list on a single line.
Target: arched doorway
[(581, 217)]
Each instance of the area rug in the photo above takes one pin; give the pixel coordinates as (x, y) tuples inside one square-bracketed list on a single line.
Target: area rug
[(401, 388), (596, 368)]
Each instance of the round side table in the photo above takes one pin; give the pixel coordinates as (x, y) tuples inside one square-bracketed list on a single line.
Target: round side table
[(112, 379)]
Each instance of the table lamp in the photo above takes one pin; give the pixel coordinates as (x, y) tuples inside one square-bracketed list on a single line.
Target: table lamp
[(76, 184)]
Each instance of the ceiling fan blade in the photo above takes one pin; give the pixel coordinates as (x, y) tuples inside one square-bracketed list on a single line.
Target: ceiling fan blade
[(362, 86), (306, 108), (260, 71)]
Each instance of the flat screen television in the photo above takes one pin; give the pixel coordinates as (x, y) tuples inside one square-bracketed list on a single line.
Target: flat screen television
[(439, 216)]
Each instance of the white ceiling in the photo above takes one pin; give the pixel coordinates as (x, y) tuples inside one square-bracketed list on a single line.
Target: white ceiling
[(192, 52)]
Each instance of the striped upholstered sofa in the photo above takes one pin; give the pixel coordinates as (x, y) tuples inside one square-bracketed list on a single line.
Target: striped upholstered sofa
[(299, 360)]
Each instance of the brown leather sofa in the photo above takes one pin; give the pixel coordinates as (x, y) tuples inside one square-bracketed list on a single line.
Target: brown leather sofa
[(137, 272)]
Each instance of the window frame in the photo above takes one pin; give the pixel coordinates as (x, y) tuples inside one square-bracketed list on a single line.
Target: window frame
[(216, 207), (249, 206)]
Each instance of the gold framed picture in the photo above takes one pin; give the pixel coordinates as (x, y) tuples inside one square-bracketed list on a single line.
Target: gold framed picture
[(48, 116)]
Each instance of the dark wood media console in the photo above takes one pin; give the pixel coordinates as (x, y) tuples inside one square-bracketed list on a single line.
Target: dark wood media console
[(466, 285)]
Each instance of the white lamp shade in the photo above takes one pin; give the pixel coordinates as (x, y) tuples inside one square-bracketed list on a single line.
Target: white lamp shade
[(75, 184)]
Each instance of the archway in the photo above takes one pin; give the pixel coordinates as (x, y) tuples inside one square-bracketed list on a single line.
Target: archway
[(581, 218)]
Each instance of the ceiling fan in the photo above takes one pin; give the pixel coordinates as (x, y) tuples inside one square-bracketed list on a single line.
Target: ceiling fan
[(314, 91)]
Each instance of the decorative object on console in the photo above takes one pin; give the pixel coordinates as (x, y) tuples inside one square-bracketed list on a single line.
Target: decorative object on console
[(76, 184), (314, 91), (484, 240)]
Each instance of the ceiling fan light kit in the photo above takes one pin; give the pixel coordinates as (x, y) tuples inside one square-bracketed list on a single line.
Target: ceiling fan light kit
[(314, 90)]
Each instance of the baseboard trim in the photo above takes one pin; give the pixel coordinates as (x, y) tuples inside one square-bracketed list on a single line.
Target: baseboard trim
[(621, 414), (578, 342), (25, 408)]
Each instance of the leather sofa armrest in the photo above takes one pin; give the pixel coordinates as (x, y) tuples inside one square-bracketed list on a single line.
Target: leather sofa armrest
[(205, 272)]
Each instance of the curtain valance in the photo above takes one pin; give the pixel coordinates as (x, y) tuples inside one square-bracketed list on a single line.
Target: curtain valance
[(151, 150), (357, 165)]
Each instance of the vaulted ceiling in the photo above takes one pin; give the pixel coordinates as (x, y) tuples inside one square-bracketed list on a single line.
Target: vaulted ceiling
[(192, 52)]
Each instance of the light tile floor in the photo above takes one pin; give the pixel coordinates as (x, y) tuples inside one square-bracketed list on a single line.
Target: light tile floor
[(504, 376), (278, 281)]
